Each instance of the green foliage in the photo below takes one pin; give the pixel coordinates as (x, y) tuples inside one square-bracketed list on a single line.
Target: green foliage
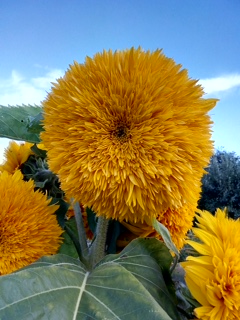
[(70, 239), (18, 122), (163, 231), (221, 186), (127, 286), (114, 230), (35, 125)]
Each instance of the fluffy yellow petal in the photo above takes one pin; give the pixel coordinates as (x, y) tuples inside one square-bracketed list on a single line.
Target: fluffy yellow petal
[(214, 277), (28, 225)]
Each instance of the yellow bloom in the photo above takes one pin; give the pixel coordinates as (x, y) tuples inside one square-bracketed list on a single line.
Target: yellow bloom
[(16, 154), (28, 226), (41, 146), (178, 221), (128, 133), (214, 277)]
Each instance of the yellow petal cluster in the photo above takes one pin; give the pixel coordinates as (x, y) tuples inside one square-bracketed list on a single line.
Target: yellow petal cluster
[(128, 133), (15, 155), (28, 226), (177, 221), (214, 277)]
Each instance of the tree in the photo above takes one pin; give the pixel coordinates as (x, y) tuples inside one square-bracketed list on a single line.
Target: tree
[(221, 184)]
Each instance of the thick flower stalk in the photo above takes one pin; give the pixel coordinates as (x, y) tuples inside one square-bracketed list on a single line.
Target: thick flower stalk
[(15, 155), (214, 277), (28, 225), (128, 133)]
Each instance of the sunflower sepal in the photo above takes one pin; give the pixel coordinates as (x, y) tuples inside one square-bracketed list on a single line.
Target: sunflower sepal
[(165, 234), (38, 151)]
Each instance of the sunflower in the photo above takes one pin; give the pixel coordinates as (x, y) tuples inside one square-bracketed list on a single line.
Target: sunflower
[(28, 226), (128, 133), (214, 277), (16, 154), (177, 221)]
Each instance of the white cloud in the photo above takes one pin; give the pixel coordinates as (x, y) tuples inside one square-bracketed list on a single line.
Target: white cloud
[(44, 82), (219, 84), (17, 90)]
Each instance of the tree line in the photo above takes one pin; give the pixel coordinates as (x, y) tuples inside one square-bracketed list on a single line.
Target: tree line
[(221, 184)]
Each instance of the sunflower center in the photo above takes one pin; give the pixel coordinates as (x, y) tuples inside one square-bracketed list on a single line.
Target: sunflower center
[(121, 132)]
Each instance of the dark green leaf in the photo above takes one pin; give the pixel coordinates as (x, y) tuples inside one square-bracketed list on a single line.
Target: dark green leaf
[(61, 211), (114, 230), (68, 246), (14, 122), (71, 244)]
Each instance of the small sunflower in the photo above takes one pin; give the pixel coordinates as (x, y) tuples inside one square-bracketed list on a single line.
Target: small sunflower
[(177, 221), (15, 155), (128, 134), (28, 226), (214, 277)]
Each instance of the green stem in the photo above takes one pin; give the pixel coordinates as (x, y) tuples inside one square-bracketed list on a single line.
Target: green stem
[(81, 232), (98, 250), (175, 261)]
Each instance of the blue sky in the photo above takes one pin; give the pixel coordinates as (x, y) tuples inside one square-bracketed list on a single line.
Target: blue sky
[(40, 38)]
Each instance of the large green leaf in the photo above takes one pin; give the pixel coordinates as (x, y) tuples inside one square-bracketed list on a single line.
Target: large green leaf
[(149, 260), (15, 122), (60, 287)]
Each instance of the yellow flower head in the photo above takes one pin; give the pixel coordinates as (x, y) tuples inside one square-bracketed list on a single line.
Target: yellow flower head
[(28, 226), (16, 154), (178, 221), (128, 134), (214, 277)]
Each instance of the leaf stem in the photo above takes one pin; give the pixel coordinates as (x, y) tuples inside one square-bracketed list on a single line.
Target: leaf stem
[(175, 261), (81, 232)]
